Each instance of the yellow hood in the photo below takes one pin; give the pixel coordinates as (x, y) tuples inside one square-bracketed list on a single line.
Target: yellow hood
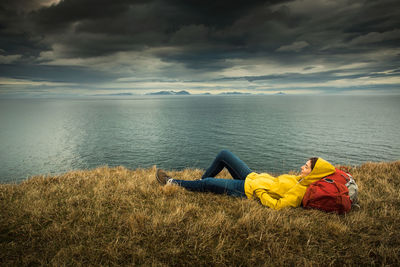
[(321, 169)]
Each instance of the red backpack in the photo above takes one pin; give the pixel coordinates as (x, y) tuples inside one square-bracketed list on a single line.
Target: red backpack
[(331, 193)]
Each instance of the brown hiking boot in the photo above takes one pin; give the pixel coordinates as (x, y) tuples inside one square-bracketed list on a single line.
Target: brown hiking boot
[(162, 177)]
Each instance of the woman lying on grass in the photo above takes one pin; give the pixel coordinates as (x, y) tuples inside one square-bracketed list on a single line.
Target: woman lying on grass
[(275, 192)]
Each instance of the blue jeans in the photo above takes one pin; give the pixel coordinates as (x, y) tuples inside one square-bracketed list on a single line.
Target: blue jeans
[(233, 187)]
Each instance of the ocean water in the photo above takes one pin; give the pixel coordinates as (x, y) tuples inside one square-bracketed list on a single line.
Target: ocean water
[(270, 133)]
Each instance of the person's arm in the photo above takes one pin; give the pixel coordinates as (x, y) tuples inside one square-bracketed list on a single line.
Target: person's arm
[(292, 198)]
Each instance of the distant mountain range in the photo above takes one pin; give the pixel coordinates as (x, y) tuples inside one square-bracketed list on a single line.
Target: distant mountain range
[(169, 93), (183, 92), (187, 93)]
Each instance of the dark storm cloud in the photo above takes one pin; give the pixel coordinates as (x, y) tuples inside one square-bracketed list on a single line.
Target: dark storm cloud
[(126, 25), (249, 25), (168, 15), (206, 36)]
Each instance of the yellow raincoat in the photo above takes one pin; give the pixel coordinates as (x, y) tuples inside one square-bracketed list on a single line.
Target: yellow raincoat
[(285, 190)]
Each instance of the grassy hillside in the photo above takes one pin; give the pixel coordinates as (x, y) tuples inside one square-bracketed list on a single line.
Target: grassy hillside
[(116, 216)]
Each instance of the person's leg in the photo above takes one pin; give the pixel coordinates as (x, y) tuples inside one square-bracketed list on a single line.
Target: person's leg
[(218, 186), (226, 159)]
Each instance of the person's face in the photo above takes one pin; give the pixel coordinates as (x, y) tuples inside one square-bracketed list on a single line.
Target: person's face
[(306, 169)]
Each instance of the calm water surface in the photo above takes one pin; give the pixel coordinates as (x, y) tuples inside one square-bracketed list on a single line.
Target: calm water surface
[(270, 133)]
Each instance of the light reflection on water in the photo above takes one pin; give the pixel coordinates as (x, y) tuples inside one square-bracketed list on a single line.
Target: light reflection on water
[(270, 133)]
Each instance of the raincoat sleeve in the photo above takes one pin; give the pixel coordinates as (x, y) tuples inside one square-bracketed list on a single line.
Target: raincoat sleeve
[(291, 198)]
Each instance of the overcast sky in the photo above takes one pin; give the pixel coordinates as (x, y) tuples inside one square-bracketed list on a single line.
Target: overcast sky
[(84, 47)]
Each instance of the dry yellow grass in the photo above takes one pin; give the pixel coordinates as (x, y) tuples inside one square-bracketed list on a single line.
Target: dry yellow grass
[(116, 216)]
